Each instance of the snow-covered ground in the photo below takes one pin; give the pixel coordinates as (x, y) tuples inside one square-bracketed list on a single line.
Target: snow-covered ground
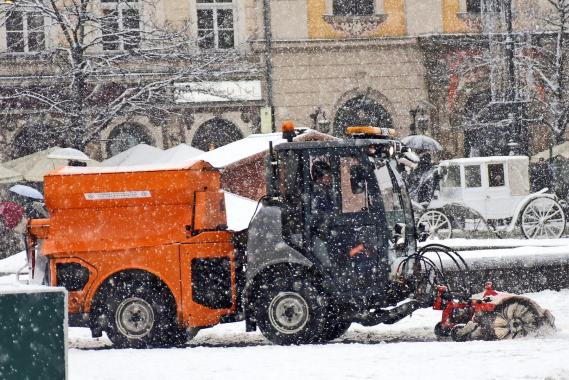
[(406, 350)]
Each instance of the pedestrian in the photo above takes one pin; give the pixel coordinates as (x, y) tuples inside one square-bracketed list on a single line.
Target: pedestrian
[(12, 227), (542, 176), (422, 180)]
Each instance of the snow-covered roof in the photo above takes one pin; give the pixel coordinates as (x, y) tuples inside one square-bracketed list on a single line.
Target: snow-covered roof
[(244, 148), (140, 154), (124, 169), (558, 150), (483, 160), (179, 154), (241, 149), (34, 166)]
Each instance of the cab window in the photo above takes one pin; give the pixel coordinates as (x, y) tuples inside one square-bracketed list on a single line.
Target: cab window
[(351, 202), (391, 196)]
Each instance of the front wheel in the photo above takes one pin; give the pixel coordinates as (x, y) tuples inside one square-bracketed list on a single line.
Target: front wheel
[(291, 311), (543, 218)]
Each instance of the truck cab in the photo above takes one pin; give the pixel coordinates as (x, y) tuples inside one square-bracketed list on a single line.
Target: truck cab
[(344, 254)]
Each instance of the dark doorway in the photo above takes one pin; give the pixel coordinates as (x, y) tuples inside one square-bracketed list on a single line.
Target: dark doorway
[(125, 136), (361, 110), (215, 133)]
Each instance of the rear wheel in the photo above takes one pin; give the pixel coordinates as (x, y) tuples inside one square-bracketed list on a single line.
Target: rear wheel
[(515, 319), (291, 311), (543, 218), (141, 315)]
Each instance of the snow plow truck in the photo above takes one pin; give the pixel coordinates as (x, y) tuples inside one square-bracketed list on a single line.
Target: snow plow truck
[(146, 256)]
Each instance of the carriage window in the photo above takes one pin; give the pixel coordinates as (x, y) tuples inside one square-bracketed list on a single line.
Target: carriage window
[(496, 175), (350, 202), (451, 176), (473, 176)]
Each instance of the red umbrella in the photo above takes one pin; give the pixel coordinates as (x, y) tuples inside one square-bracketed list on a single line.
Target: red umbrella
[(11, 214)]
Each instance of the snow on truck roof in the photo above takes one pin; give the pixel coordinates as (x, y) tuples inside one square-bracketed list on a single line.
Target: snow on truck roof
[(144, 154), (483, 160), (68, 170), (247, 147)]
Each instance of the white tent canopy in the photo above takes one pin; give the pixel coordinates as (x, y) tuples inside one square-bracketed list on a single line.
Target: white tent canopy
[(34, 166), (178, 154), (9, 175), (143, 154), (558, 150)]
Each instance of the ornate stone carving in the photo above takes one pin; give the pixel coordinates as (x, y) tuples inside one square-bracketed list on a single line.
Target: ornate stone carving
[(188, 118), (472, 20), (355, 26)]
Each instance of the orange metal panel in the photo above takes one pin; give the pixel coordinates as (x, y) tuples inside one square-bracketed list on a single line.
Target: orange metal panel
[(194, 314)]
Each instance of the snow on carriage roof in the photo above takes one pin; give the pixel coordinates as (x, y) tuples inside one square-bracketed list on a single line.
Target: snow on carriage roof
[(241, 149), (482, 160)]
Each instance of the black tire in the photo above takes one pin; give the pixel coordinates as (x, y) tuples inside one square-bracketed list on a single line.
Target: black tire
[(291, 310), (441, 332), (334, 330), (141, 314), (336, 323)]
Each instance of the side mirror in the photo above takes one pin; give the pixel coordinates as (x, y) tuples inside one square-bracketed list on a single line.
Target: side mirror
[(357, 179)]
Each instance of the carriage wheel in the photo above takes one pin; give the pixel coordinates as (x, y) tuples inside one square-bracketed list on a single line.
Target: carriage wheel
[(543, 218), (437, 224)]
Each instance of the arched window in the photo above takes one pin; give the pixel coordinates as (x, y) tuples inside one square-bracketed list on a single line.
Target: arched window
[(126, 136), (361, 110), (353, 7), (36, 137), (215, 133)]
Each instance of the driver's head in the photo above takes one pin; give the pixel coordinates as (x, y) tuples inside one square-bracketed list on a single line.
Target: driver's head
[(321, 172)]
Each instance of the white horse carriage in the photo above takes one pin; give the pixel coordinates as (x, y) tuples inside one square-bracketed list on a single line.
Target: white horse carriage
[(494, 193)]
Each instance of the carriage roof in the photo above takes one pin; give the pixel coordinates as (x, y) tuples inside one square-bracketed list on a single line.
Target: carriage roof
[(486, 160)]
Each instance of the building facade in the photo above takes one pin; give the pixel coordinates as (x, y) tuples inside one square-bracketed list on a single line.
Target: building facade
[(335, 63), (203, 116), (394, 63)]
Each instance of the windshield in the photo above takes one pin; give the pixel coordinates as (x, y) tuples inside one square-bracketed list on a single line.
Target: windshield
[(396, 200)]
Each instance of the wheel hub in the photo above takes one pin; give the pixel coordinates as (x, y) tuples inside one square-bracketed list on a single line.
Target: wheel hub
[(134, 318), (288, 312)]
